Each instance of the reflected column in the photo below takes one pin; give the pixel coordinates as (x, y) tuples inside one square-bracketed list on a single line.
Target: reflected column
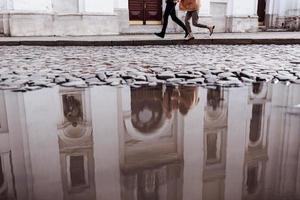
[(104, 103)]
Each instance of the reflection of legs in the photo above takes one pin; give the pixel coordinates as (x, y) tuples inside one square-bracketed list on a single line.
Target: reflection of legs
[(178, 21)]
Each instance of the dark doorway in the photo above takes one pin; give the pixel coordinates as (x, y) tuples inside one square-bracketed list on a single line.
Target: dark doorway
[(261, 11), (145, 11)]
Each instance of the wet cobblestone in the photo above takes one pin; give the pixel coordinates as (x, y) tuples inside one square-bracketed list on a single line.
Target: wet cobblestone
[(25, 68)]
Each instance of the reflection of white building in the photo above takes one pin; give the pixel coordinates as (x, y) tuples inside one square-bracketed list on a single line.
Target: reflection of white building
[(102, 17), (100, 143)]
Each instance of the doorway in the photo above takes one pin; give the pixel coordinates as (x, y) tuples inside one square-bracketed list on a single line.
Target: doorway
[(261, 12), (145, 12)]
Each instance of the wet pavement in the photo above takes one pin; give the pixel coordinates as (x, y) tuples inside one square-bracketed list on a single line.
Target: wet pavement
[(24, 68), (151, 143)]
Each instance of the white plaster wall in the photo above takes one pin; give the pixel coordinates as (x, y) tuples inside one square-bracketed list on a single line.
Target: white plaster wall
[(205, 7), (32, 5), (242, 7), (3, 5), (70, 6), (121, 4), (102, 6)]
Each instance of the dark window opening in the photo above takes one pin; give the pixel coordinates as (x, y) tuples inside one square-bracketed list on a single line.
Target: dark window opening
[(77, 171), (256, 122)]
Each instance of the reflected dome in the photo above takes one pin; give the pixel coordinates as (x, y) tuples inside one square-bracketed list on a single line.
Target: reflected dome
[(75, 131), (147, 110)]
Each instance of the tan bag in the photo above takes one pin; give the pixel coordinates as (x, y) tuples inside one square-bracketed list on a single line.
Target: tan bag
[(189, 5)]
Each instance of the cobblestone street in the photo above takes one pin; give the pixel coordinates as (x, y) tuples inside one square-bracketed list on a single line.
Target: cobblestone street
[(28, 68)]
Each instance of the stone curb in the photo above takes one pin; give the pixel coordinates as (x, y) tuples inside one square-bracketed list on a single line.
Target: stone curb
[(246, 41)]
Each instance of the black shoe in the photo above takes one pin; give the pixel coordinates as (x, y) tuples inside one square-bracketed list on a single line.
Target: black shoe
[(161, 35), (211, 30), (186, 34)]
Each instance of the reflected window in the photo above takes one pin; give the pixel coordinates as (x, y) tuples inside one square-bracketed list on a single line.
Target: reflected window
[(214, 98), (77, 171), (72, 107), (148, 186), (213, 148), (257, 87), (256, 122), (252, 179)]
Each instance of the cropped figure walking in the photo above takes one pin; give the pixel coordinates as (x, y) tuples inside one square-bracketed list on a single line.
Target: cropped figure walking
[(192, 7), (170, 11)]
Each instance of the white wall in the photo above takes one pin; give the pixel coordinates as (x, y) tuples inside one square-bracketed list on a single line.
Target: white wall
[(32, 5), (242, 7), (103, 6), (121, 4)]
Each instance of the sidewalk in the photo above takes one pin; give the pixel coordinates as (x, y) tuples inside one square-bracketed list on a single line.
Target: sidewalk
[(150, 39)]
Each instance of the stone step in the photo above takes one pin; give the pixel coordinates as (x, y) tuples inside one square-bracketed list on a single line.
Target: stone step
[(276, 30)]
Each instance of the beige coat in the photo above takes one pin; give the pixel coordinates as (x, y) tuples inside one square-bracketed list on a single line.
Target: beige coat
[(189, 5)]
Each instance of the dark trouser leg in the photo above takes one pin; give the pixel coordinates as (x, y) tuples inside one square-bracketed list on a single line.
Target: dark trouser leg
[(167, 12), (178, 21), (195, 19), (187, 21)]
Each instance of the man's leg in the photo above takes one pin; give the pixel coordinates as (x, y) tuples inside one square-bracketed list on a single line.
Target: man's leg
[(187, 21), (168, 9), (178, 21)]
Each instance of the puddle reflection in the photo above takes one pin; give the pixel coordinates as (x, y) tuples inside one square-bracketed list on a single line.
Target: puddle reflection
[(152, 143)]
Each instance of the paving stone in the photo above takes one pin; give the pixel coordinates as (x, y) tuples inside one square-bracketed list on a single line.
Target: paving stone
[(24, 67)]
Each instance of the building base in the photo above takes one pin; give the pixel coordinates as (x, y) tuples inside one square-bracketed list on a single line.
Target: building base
[(242, 24), (49, 24)]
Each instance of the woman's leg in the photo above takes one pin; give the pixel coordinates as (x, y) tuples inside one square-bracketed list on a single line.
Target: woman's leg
[(195, 19), (187, 21)]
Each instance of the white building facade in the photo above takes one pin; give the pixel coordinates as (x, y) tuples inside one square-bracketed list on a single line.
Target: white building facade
[(102, 17)]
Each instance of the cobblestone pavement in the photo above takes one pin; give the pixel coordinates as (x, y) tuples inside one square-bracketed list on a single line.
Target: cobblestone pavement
[(25, 68)]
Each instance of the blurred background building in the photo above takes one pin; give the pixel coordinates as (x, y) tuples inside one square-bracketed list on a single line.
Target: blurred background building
[(102, 17)]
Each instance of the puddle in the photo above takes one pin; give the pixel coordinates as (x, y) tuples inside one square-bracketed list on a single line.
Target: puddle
[(151, 143)]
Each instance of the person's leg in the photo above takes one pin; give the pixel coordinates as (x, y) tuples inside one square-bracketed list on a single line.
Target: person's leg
[(187, 21), (195, 18), (168, 9), (178, 21)]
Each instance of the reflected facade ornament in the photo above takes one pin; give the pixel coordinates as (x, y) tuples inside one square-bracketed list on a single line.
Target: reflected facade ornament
[(151, 147), (215, 135), (76, 145), (259, 105)]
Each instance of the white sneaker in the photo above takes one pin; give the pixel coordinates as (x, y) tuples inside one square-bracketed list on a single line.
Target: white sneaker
[(190, 36)]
